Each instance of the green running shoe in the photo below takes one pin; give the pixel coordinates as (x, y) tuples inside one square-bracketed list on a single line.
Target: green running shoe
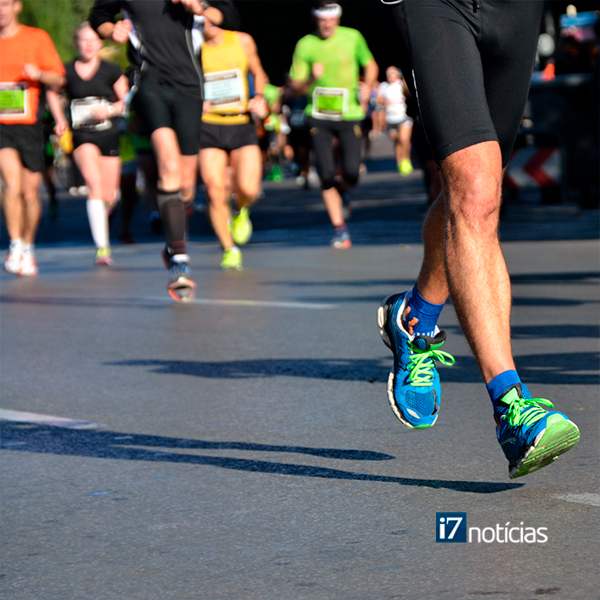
[(232, 259), (530, 436), (241, 227), (405, 167)]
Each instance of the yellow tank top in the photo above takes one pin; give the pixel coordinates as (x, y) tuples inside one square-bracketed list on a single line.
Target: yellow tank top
[(225, 67)]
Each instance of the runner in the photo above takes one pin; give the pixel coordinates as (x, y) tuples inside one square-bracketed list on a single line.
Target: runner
[(167, 81), (28, 60), (325, 67), (299, 136), (392, 95), (463, 57), (228, 134), (96, 89)]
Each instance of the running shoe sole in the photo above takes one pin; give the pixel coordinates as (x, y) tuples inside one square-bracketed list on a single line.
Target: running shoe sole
[(342, 245), (182, 290), (382, 321), (559, 436)]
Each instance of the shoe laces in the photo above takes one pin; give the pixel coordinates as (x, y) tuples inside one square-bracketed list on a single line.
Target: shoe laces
[(421, 366), (526, 411)]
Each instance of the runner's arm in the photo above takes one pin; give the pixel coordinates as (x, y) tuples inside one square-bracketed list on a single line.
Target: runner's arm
[(302, 74), (257, 104), (221, 12), (102, 19), (55, 106)]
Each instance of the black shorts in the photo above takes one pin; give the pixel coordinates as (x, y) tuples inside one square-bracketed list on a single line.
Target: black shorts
[(471, 64), (349, 136), (228, 137), (158, 104), (28, 141), (299, 137), (107, 141)]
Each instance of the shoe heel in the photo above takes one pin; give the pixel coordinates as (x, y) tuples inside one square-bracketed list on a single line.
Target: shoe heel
[(382, 318)]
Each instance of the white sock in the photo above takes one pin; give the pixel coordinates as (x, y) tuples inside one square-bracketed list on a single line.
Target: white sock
[(16, 244), (98, 219)]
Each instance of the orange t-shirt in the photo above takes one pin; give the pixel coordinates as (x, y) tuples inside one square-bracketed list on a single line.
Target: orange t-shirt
[(19, 95)]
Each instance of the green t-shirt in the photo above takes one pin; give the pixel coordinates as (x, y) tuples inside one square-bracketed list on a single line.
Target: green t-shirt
[(334, 95)]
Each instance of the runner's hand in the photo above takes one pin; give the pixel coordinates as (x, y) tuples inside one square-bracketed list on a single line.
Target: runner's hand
[(60, 128), (365, 93), (192, 6), (100, 112), (121, 30), (32, 72), (318, 70), (258, 106)]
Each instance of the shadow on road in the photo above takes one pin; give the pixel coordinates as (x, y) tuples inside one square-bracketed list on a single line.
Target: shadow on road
[(579, 368), (46, 439)]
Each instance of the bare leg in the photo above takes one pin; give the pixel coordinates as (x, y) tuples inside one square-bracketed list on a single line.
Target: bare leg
[(404, 140), (476, 271), (12, 204), (32, 207), (333, 203), (168, 159), (246, 164), (213, 163)]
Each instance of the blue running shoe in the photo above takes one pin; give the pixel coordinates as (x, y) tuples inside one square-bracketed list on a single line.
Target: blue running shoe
[(414, 384), (180, 287), (530, 436)]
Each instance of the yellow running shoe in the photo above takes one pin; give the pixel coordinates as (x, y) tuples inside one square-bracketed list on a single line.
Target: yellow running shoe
[(232, 259), (103, 258), (405, 167), (241, 227)]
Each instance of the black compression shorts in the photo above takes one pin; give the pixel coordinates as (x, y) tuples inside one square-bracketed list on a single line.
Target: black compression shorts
[(28, 141), (228, 137), (349, 135), (107, 141), (471, 64), (158, 104)]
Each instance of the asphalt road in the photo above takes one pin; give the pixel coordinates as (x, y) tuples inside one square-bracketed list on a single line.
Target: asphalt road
[(242, 447)]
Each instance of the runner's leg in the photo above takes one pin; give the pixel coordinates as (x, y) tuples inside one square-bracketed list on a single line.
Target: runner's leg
[(213, 165), (12, 201)]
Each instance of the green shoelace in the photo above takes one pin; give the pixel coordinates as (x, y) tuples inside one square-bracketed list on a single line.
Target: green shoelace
[(421, 365), (517, 416)]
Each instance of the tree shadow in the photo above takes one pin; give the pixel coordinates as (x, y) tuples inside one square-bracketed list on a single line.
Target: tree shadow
[(47, 439)]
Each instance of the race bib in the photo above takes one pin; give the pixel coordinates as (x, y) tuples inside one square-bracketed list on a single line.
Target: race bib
[(224, 89), (14, 100), (329, 103), (82, 117)]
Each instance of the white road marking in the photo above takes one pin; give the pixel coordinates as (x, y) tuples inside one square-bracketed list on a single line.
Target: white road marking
[(591, 499), (29, 417), (257, 303)]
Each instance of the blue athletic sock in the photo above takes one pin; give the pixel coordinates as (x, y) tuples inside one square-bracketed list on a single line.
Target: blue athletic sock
[(421, 316), (497, 388)]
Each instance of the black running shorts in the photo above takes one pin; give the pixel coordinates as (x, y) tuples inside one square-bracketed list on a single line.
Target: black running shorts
[(158, 104), (28, 141), (228, 137), (349, 135), (107, 141), (471, 64)]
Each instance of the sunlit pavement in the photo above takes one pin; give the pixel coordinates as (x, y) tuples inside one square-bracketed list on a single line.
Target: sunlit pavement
[(242, 446)]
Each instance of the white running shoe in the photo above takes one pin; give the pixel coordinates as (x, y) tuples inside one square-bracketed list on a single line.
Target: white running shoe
[(29, 267), (12, 264)]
